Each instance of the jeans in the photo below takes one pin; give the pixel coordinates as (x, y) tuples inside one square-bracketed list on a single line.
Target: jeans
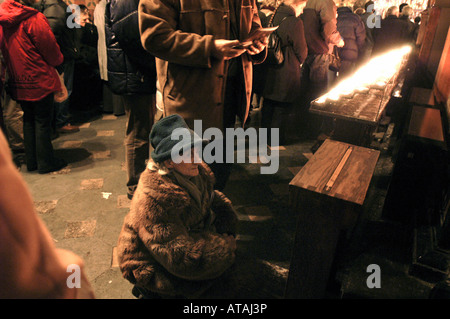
[(13, 120), (37, 131), (61, 111), (140, 111)]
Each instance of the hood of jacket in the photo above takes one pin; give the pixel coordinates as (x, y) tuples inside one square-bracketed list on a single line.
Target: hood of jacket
[(13, 13), (342, 10)]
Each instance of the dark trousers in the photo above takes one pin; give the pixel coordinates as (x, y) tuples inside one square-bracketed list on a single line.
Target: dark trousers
[(37, 132), (234, 105), (275, 114), (140, 111)]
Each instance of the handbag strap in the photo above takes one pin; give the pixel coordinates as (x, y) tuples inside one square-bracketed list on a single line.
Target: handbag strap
[(273, 15), (335, 51)]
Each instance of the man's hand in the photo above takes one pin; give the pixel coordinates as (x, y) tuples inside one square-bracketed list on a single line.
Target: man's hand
[(226, 49), (257, 46)]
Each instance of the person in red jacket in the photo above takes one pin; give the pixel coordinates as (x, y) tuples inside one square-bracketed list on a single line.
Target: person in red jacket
[(31, 54)]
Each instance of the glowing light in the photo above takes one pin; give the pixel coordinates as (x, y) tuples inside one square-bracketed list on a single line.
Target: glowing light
[(377, 72)]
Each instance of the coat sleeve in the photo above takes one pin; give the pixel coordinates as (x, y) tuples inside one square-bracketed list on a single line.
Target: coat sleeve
[(158, 21), (43, 38), (299, 42), (191, 256), (328, 11), (126, 31), (56, 18), (226, 218), (360, 33)]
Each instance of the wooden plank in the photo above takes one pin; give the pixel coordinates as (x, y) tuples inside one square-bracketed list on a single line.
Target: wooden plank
[(428, 39), (338, 170), (426, 122), (317, 171), (421, 96), (353, 180)]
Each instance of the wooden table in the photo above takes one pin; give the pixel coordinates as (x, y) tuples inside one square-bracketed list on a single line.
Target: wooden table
[(328, 194)]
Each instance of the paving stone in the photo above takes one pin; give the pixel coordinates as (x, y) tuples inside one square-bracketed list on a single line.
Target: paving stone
[(255, 218), (45, 206), (71, 144), (105, 133), (85, 228), (114, 258), (308, 155), (280, 189), (295, 170), (123, 201), (95, 183), (85, 125), (109, 117), (277, 148), (63, 171), (244, 237), (262, 211), (261, 159), (101, 154)]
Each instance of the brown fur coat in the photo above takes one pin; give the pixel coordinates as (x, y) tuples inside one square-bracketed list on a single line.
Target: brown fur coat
[(158, 250)]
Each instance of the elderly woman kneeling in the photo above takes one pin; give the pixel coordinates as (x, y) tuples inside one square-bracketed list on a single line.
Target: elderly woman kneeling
[(179, 234)]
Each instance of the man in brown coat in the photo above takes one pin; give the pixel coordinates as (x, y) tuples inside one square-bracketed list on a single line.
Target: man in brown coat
[(201, 73)]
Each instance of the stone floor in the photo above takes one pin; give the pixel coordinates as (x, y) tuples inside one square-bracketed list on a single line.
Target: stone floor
[(83, 207)]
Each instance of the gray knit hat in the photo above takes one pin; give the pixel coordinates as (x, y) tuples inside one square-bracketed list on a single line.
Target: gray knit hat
[(169, 132)]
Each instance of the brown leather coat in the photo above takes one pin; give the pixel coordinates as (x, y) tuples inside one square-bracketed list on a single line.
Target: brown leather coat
[(180, 34)]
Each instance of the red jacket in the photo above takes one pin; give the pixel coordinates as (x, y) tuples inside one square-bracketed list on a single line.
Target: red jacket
[(30, 51)]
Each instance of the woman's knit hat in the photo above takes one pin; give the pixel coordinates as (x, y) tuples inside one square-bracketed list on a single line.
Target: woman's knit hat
[(169, 132)]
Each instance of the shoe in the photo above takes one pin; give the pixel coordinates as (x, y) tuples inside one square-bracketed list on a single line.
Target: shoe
[(31, 168), (141, 293), (68, 128), (60, 163)]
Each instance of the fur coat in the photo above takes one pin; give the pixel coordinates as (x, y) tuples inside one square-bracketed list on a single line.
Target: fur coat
[(161, 248)]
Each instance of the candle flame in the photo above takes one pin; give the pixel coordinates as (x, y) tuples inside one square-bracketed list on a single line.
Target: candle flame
[(377, 72)]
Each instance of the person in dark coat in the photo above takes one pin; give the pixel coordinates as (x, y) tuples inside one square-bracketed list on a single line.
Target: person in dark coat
[(391, 34), (282, 85), (370, 20), (61, 21), (319, 21), (405, 16), (87, 87), (132, 75), (352, 29)]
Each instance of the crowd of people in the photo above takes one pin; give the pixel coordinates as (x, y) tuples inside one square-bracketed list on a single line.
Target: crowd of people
[(165, 66)]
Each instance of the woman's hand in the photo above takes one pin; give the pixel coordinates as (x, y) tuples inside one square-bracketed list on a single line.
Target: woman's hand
[(231, 241)]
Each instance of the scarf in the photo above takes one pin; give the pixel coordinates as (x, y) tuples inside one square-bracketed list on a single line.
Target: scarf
[(198, 191)]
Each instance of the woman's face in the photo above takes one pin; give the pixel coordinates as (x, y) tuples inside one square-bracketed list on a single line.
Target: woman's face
[(188, 166)]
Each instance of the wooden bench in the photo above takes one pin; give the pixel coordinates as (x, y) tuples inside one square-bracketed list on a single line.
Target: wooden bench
[(328, 194)]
